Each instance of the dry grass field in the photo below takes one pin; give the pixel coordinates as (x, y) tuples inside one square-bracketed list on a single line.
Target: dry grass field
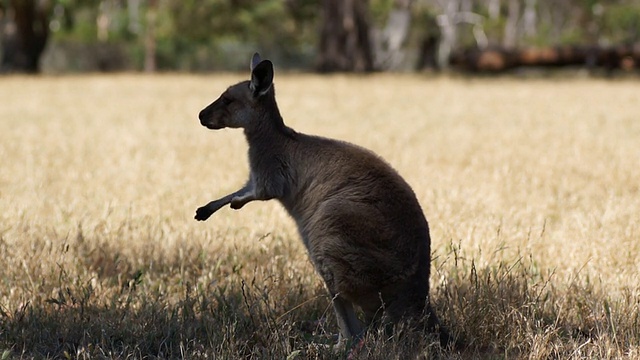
[(531, 188)]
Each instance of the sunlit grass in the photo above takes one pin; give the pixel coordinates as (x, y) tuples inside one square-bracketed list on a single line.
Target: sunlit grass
[(531, 189)]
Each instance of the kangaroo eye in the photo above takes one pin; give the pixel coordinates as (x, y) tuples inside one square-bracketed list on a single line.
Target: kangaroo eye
[(226, 100)]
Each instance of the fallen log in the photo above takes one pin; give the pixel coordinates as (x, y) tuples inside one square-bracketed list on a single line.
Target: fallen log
[(497, 59)]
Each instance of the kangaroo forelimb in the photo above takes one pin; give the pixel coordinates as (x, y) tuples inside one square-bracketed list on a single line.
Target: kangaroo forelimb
[(237, 199), (204, 212), (241, 200)]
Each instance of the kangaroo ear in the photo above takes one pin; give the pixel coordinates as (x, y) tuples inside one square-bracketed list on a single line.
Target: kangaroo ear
[(261, 77), (255, 60)]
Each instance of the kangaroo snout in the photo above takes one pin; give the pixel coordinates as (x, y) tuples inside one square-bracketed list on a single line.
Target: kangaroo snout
[(204, 116), (207, 119)]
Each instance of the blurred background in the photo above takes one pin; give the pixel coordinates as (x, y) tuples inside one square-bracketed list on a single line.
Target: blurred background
[(59, 36)]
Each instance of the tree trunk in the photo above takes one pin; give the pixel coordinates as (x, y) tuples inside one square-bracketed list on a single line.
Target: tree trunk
[(428, 55), (448, 31), (150, 37), (530, 18), (25, 36), (511, 26), (389, 41), (494, 9), (345, 44)]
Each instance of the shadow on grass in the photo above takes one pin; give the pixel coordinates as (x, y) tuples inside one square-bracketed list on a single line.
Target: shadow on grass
[(237, 323), (518, 310), (503, 311), (100, 300)]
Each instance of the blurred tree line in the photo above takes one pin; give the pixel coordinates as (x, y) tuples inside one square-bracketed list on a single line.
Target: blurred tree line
[(326, 35)]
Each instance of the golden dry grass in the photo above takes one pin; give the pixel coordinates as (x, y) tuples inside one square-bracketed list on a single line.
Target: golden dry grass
[(531, 188)]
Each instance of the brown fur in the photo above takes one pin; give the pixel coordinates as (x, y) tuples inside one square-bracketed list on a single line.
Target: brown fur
[(359, 220)]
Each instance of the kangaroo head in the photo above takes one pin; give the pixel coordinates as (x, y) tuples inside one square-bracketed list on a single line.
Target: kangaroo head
[(241, 104)]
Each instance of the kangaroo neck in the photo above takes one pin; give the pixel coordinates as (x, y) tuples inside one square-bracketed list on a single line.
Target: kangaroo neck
[(267, 145), (268, 130)]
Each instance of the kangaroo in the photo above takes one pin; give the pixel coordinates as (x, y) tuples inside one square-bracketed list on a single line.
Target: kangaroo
[(361, 223)]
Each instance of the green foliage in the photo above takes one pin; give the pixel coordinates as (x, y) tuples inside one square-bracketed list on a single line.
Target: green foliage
[(621, 22), (230, 28), (215, 34), (380, 10), (193, 35)]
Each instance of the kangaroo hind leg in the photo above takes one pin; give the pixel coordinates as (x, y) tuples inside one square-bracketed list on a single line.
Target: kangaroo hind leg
[(350, 326)]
